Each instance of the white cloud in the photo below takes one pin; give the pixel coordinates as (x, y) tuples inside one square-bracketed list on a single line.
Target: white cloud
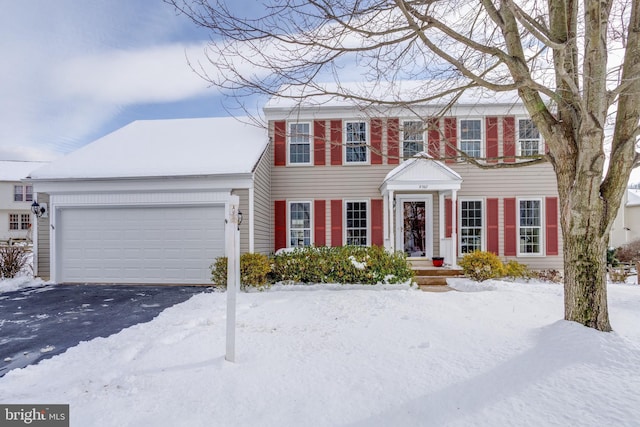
[(156, 74)]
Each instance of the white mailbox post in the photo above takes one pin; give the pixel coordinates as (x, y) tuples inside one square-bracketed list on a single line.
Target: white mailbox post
[(233, 219)]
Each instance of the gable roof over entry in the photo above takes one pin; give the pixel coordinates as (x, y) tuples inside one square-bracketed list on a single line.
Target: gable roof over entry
[(160, 148), (421, 173)]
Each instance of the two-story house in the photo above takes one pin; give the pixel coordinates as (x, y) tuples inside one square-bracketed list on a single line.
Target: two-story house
[(15, 200), (146, 204)]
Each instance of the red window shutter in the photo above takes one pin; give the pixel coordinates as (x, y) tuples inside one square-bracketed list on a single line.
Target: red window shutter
[(509, 139), (320, 223), (280, 229), (433, 138), (336, 223), (393, 141), (336, 142), (510, 229), (448, 229), (319, 142), (492, 139), (376, 141), (492, 226), (450, 139), (376, 222), (280, 143), (551, 220)]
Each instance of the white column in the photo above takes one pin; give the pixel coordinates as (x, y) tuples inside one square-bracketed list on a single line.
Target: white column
[(251, 221), (392, 225), (454, 227), (385, 220), (441, 224), (232, 251)]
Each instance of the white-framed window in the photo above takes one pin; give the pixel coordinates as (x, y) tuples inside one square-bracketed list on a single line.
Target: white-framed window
[(299, 138), (471, 137), (18, 193), (471, 226), (22, 193), (412, 138), (357, 223), (299, 224), (356, 142), (19, 221), (529, 141), (530, 226)]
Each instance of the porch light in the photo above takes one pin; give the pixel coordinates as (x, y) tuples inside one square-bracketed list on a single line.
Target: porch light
[(239, 218), (37, 210)]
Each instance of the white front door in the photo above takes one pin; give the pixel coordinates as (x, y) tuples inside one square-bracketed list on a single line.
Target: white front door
[(414, 225)]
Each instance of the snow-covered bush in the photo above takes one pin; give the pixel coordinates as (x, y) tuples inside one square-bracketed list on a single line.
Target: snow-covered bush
[(482, 265), (254, 270), (12, 260), (347, 264)]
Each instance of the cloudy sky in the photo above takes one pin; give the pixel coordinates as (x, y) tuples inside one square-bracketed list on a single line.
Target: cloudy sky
[(73, 71)]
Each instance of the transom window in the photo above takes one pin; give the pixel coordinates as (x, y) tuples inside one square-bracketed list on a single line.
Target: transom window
[(528, 138), (530, 229), (470, 226), (19, 221), (299, 143), (471, 137), (299, 224), (356, 142), (22, 193), (413, 138), (356, 223)]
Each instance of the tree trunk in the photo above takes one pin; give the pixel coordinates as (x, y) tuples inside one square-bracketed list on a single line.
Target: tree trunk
[(585, 260)]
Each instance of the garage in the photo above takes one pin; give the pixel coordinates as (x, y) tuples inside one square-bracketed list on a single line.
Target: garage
[(146, 245)]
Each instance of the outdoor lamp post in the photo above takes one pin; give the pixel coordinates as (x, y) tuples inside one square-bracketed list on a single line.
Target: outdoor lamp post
[(232, 249), (37, 210)]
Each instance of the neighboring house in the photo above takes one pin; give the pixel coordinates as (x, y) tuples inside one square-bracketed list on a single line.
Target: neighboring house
[(15, 200), (626, 227), (145, 204)]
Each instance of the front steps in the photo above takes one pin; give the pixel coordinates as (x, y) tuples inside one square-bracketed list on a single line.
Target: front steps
[(430, 278)]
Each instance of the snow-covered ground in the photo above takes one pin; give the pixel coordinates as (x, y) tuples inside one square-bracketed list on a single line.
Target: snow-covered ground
[(494, 354)]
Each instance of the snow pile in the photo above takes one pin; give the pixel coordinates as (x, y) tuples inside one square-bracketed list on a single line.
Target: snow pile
[(355, 358)]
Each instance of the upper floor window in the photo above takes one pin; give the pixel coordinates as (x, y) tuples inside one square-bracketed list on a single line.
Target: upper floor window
[(412, 138), (299, 143), (356, 142), (471, 137), (530, 226), (299, 224), (470, 226), (22, 193), (356, 213), (529, 141)]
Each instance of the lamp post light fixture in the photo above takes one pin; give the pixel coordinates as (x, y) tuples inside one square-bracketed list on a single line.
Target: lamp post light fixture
[(37, 210)]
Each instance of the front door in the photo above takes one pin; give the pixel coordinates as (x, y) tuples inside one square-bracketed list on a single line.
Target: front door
[(415, 218)]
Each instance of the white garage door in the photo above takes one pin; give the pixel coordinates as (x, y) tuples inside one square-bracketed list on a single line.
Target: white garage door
[(173, 245)]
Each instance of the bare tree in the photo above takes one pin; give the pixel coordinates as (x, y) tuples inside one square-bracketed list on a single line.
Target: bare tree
[(575, 66)]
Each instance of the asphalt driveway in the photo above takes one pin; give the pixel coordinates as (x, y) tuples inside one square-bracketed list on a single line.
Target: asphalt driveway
[(38, 323)]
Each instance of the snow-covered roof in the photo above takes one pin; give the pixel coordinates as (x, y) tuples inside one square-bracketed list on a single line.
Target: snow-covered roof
[(14, 170), (327, 94), (157, 148), (633, 197)]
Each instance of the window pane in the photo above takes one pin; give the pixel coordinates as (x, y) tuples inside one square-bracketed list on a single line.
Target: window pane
[(299, 143), (470, 226), (530, 226), (356, 213), (356, 142), (29, 194), (471, 137), (300, 224), (413, 138), (528, 138), (17, 193), (25, 221), (14, 222)]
